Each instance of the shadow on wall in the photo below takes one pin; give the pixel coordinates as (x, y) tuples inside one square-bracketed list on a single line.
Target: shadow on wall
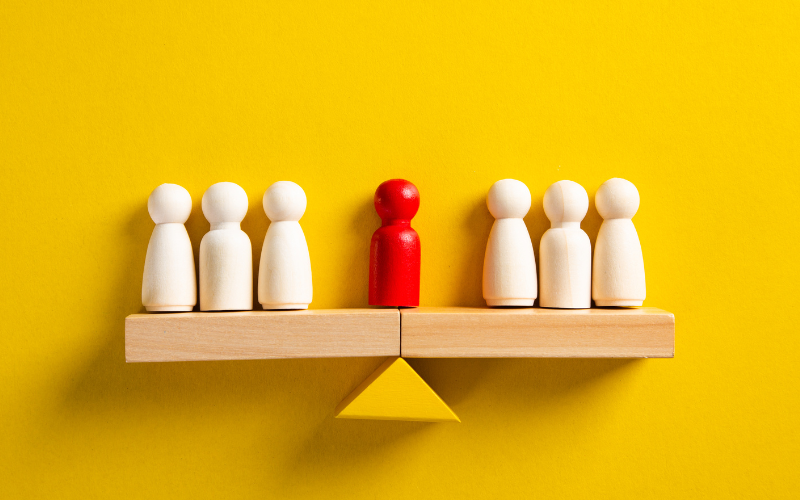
[(591, 223), (139, 228), (354, 283), (292, 401), (478, 225), (481, 391), (535, 382), (107, 384), (255, 225), (289, 397)]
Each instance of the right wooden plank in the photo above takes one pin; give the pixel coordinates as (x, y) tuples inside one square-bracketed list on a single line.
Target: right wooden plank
[(481, 332)]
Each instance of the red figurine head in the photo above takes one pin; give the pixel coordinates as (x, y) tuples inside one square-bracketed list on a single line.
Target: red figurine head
[(396, 199)]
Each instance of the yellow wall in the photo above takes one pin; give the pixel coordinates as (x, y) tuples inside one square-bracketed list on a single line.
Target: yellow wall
[(695, 102)]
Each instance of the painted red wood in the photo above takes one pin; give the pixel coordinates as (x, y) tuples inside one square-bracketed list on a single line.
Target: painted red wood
[(394, 255)]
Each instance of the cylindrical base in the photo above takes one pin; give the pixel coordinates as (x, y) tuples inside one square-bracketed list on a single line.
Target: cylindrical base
[(510, 302), (169, 308), (208, 309), (274, 307), (618, 303), (563, 307)]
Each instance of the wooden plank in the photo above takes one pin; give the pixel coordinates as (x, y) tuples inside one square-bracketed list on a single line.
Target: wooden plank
[(316, 333), (462, 332)]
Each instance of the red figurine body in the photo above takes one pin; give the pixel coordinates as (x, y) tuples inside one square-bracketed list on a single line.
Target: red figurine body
[(394, 255)]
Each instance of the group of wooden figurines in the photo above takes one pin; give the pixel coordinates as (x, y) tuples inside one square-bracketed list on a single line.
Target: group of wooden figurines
[(567, 280), (567, 277)]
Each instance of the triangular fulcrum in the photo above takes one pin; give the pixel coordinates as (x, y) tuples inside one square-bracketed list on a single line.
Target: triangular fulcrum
[(395, 392)]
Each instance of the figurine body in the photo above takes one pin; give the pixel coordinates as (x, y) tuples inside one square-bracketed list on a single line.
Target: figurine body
[(565, 253), (509, 267), (618, 271), (284, 275), (169, 283), (226, 255)]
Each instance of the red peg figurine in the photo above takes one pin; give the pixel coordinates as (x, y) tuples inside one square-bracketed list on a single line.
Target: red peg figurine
[(394, 254)]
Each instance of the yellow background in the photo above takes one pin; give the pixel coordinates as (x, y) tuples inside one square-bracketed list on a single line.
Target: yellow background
[(695, 102)]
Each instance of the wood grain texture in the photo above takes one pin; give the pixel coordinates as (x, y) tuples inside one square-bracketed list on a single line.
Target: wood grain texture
[(320, 333), (463, 332)]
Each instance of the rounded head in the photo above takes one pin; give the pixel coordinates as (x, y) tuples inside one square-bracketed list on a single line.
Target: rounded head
[(566, 201), (284, 200), (224, 202), (169, 203), (617, 199), (508, 199), (397, 199)]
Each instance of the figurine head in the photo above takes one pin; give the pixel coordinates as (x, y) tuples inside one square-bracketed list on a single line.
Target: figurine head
[(224, 202), (397, 199), (617, 199), (565, 201), (169, 203), (508, 199), (285, 201)]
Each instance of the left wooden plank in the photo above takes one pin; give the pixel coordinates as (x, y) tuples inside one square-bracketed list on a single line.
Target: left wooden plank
[(316, 333)]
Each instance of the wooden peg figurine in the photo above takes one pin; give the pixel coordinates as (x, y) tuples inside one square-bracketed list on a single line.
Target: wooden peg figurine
[(565, 253), (284, 275), (394, 256), (618, 271), (169, 281), (226, 255), (509, 268)]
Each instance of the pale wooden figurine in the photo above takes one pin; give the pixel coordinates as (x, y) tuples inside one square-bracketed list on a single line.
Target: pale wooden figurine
[(565, 253), (618, 271), (226, 255), (509, 268), (284, 275), (169, 281)]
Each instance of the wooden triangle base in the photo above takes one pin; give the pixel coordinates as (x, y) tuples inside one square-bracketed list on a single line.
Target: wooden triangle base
[(395, 392)]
